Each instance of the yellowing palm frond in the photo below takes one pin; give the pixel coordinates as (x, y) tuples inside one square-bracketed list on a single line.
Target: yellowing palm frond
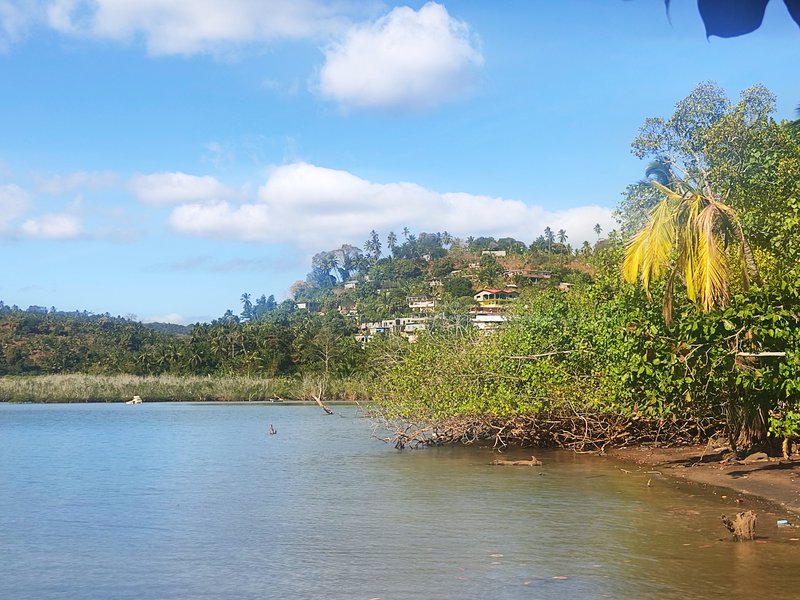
[(686, 235), (648, 252), (731, 223), (711, 275), (688, 266)]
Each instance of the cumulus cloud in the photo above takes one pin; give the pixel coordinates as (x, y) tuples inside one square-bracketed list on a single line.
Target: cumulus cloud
[(60, 184), (194, 26), (177, 187), (315, 207), (15, 18), (407, 60), (54, 226), (14, 202)]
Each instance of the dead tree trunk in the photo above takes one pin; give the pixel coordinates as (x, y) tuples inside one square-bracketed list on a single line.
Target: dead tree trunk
[(318, 397), (742, 526)]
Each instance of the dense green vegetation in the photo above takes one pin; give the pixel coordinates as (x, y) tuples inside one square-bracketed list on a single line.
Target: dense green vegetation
[(722, 232), (312, 334), (682, 323)]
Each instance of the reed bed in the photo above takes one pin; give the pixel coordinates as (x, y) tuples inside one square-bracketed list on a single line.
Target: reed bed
[(173, 388)]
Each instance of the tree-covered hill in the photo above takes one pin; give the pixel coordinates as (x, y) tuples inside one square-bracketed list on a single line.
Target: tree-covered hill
[(314, 331)]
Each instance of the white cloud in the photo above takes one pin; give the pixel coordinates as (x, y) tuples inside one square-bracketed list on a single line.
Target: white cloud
[(54, 226), (314, 207), (173, 318), (60, 184), (14, 202), (177, 187), (15, 18), (194, 26), (407, 60)]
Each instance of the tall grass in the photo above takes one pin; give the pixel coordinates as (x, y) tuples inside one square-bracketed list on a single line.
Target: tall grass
[(166, 388)]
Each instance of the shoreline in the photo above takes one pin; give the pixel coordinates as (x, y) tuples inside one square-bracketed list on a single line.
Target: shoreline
[(774, 480)]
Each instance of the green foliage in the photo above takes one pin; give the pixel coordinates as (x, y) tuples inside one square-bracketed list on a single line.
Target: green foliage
[(605, 347), (490, 272), (458, 287), (326, 345)]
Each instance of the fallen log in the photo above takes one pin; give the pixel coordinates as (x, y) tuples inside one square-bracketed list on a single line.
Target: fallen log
[(533, 462), (318, 400)]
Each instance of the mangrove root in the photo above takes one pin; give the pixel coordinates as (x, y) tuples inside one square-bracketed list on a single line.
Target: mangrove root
[(583, 431)]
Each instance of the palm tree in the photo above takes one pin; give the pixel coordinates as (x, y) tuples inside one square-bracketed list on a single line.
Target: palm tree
[(373, 246), (598, 230), (548, 235), (685, 237), (562, 238), (247, 307)]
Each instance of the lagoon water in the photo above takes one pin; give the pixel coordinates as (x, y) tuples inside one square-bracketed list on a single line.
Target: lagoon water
[(163, 501)]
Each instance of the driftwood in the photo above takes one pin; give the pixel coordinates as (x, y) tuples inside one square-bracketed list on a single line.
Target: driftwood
[(533, 462), (318, 394), (318, 399), (742, 526)]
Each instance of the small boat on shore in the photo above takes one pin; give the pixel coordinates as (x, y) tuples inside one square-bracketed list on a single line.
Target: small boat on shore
[(135, 400)]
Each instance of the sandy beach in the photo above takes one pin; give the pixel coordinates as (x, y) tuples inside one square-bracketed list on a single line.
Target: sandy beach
[(773, 479)]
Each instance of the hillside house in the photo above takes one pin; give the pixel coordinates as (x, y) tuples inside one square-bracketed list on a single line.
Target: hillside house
[(488, 315), (488, 321), (421, 304), (531, 274), (490, 297), (407, 327)]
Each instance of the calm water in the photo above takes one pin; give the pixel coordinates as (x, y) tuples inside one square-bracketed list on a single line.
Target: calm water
[(165, 501)]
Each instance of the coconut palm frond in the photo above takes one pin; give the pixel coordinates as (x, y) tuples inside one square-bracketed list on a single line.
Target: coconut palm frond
[(668, 193), (687, 265), (750, 270), (634, 254), (686, 235), (648, 252), (712, 271)]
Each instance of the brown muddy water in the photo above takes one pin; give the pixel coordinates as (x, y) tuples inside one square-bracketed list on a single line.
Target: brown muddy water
[(199, 501)]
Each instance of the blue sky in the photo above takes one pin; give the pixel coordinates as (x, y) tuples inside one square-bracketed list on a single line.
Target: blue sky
[(160, 158)]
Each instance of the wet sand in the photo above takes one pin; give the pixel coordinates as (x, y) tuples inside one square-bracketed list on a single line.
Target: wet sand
[(772, 479)]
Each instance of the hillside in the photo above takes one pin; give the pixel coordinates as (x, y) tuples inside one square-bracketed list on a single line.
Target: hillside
[(348, 296)]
